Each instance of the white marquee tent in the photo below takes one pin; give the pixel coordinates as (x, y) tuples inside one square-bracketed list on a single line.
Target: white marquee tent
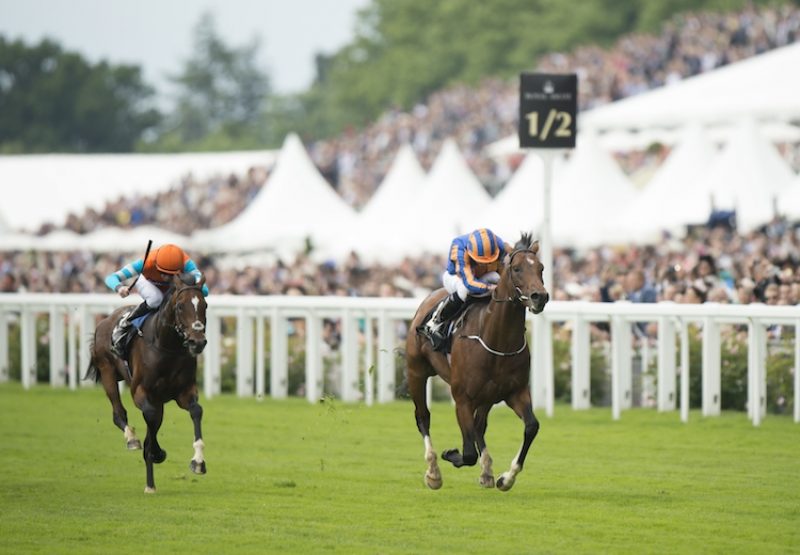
[(48, 187), (671, 199), (748, 176), (789, 200), (518, 205), (764, 87), (589, 195), (295, 204), (384, 230), (452, 199)]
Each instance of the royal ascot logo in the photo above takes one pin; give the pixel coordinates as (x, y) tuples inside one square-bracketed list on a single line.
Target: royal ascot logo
[(548, 87)]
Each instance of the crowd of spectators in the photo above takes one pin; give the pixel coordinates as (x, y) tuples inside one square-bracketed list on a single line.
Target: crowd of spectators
[(709, 264), (691, 43)]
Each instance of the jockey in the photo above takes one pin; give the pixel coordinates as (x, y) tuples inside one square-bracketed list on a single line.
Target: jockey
[(153, 276), (471, 271)]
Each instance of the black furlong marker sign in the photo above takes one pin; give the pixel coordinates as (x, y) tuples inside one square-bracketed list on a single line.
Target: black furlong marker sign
[(548, 104)]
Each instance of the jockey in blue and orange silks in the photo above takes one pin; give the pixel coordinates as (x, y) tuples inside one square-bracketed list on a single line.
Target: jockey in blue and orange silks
[(153, 276), (472, 271)]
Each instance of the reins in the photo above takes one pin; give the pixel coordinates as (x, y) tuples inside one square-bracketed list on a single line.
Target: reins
[(519, 298), (178, 329)]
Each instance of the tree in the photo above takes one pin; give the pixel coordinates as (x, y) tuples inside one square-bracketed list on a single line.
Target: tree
[(52, 100), (221, 94)]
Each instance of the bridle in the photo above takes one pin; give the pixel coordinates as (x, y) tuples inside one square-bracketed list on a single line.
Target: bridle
[(177, 326), (521, 297)]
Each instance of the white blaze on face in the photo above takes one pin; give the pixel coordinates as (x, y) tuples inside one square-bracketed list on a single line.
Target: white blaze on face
[(197, 325)]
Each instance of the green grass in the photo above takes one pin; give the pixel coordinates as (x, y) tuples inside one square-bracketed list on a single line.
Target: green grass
[(289, 477)]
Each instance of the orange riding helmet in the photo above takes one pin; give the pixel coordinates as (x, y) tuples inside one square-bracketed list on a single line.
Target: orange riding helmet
[(170, 259)]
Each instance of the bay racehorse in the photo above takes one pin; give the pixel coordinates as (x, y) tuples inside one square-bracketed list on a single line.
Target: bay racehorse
[(161, 366), (489, 362)]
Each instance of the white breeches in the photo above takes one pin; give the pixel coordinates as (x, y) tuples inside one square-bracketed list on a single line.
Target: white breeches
[(151, 294)]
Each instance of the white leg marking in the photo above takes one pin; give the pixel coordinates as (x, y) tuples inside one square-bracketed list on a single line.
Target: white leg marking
[(433, 476), (198, 450), (508, 478), (129, 433)]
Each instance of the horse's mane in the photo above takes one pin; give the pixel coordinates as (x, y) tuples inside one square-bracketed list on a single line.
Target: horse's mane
[(525, 242)]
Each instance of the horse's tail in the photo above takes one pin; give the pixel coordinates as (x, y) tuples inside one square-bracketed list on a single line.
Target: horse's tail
[(92, 373)]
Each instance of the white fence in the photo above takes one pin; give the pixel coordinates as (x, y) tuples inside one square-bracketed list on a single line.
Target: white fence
[(368, 357)]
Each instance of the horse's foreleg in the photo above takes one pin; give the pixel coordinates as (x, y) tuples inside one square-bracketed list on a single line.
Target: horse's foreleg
[(416, 387), (120, 415), (486, 478), (189, 402), (521, 405), (466, 421), (152, 454)]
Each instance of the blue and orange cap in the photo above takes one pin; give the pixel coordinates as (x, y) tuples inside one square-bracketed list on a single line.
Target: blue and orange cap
[(484, 246)]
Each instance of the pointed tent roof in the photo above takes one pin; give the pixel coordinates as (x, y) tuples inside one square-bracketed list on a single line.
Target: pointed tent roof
[(382, 230), (760, 86), (588, 196), (452, 199), (295, 203), (518, 205), (664, 203), (748, 176)]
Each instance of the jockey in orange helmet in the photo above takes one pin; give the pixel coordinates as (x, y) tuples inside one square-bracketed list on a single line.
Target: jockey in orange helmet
[(153, 276), (471, 270)]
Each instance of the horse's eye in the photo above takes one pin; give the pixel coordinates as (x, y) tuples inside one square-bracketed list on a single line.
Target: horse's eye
[(516, 269)]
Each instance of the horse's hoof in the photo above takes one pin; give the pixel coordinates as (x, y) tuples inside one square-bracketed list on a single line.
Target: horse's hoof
[(134, 444), (451, 455), (160, 457), (433, 481), (503, 484), (148, 489), (197, 467), (486, 481)]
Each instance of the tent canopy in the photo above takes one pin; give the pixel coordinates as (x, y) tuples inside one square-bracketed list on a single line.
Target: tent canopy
[(73, 183), (296, 204), (763, 87)]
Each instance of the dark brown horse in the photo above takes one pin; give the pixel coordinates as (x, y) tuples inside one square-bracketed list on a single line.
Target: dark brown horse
[(163, 367), (489, 362)]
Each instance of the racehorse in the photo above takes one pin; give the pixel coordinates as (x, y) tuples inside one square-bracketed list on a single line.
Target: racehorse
[(489, 362), (161, 366)]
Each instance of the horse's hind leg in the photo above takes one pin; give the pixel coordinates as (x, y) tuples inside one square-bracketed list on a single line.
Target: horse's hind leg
[(486, 478), (521, 405), (120, 415), (417, 381), (189, 403)]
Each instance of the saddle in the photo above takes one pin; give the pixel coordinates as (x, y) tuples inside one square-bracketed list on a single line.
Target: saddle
[(452, 325), (121, 337)]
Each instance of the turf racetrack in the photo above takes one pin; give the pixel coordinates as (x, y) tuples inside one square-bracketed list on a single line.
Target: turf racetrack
[(290, 477)]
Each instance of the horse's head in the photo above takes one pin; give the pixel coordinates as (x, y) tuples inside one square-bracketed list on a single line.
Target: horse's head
[(189, 309), (524, 272)]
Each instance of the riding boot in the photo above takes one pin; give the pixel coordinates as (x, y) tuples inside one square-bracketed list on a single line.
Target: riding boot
[(435, 327), (119, 337)]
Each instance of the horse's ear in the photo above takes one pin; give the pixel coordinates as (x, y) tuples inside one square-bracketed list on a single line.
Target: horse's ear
[(535, 247), (202, 281)]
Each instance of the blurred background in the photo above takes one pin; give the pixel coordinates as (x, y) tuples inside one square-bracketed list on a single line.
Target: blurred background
[(338, 147)]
